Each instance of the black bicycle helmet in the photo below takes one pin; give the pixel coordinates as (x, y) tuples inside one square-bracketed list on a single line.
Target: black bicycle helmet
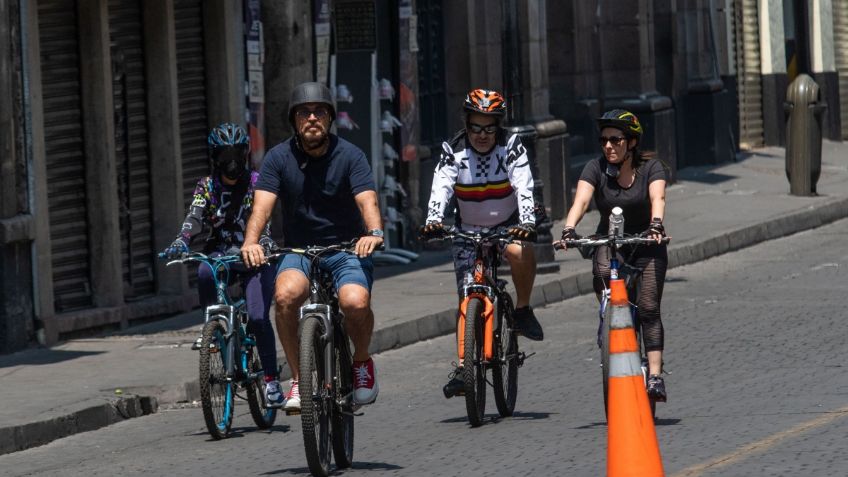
[(310, 92), (623, 120)]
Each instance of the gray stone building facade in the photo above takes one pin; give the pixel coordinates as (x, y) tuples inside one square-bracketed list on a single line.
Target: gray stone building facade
[(105, 105)]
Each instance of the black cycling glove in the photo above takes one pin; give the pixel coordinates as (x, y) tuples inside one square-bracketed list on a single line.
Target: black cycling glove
[(656, 228), (176, 249), (568, 233), (431, 230), (526, 231)]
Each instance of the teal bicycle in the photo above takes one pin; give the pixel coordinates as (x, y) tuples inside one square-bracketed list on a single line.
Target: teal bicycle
[(229, 360)]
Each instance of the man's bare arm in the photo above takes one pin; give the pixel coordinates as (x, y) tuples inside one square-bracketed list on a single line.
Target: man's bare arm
[(263, 203), (370, 210)]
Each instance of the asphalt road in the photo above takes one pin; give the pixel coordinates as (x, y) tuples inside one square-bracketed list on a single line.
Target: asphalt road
[(755, 343)]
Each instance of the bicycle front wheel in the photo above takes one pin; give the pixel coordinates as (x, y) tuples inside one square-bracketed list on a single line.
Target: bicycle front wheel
[(216, 391), (343, 413), (473, 368), (315, 401), (264, 417), (505, 371)]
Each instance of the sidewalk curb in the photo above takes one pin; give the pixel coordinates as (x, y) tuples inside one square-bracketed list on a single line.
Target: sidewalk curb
[(17, 438), (148, 398)]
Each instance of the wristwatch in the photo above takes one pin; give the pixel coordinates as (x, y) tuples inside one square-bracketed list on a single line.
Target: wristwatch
[(375, 233)]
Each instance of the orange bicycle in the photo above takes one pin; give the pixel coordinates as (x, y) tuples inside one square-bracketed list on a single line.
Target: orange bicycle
[(486, 339)]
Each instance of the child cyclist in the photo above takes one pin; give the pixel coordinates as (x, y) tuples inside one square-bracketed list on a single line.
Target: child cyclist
[(221, 207)]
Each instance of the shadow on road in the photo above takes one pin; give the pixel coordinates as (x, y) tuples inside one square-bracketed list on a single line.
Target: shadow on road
[(494, 418), (237, 432), (334, 471), (42, 356)]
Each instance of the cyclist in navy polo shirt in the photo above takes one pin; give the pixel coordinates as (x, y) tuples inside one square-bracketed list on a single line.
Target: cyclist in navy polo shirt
[(328, 196)]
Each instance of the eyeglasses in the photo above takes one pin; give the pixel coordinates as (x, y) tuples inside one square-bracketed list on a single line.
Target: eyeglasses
[(305, 113), (479, 128), (614, 140)]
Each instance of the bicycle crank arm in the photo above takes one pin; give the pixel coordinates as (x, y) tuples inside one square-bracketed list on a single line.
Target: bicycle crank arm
[(522, 356)]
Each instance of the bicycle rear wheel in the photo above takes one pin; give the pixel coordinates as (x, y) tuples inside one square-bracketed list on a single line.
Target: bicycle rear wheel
[(473, 369), (255, 390), (343, 413), (315, 402), (216, 391), (505, 371)]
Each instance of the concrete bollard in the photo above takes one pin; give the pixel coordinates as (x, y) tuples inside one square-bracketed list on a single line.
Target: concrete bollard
[(803, 135)]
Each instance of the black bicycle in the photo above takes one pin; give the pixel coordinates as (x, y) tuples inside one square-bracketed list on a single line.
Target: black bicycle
[(632, 279), (486, 337), (229, 359), (326, 368)]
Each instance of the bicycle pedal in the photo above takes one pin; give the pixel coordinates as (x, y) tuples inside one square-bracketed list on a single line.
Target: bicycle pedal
[(291, 412)]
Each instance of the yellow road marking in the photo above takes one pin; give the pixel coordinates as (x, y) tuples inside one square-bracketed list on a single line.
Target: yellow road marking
[(761, 445)]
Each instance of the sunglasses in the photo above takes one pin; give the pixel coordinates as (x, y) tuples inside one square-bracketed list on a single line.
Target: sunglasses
[(319, 113), (479, 128), (614, 140)]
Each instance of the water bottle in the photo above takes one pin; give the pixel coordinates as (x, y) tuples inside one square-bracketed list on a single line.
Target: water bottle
[(616, 222)]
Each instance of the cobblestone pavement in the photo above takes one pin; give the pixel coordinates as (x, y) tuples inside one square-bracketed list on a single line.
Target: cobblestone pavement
[(755, 347)]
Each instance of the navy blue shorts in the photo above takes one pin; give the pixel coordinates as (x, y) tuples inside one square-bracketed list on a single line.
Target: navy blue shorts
[(346, 268)]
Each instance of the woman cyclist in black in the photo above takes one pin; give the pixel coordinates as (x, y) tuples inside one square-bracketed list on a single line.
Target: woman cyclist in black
[(628, 178)]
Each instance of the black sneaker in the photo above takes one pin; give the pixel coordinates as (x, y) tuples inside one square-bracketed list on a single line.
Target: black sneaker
[(456, 386), (656, 388), (527, 325)]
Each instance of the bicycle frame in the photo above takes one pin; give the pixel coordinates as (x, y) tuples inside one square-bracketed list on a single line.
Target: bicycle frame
[(482, 283), (231, 315), (323, 304)]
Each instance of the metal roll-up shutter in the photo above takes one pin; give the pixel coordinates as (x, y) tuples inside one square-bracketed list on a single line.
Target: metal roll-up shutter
[(191, 80), (63, 140), (131, 148), (748, 74), (840, 44)]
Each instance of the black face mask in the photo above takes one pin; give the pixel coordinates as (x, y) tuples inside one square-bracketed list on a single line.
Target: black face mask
[(231, 162), (612, 170)]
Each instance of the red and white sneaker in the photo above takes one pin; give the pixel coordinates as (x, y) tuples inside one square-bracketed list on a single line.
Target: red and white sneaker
[(365, 387), (293, 399)]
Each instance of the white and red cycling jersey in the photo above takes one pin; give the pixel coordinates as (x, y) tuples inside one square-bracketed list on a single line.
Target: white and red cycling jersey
[(489, 189)]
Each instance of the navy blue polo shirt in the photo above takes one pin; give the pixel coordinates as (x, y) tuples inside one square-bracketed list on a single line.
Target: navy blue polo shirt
[(317, 194)]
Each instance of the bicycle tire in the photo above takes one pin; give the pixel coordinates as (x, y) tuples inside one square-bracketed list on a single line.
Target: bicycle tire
[(342, 421), (255, 389), (314, 408), (216, 391), (473, 369), (605, 331), (505, 370)]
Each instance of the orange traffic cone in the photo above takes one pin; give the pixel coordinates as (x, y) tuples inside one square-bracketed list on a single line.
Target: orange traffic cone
[(632, 448)]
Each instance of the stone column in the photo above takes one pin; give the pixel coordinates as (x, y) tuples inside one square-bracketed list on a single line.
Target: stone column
[(223, 28), (823, 64), (100, 166), (628, 79), (704, 115), (164, 136), (525, 72), (43, 266), (288, 61), (773, 70), (16, 230)]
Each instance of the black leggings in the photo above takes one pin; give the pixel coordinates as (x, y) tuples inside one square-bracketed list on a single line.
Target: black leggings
[(653, 261)]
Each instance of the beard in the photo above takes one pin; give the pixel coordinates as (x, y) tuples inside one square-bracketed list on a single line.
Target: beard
[(314, 137)]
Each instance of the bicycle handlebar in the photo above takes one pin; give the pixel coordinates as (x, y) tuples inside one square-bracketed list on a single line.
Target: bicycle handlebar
[(500, 233), (601, 241)]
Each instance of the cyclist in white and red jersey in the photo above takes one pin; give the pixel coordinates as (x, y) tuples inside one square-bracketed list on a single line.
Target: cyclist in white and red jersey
[(489, 174)]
